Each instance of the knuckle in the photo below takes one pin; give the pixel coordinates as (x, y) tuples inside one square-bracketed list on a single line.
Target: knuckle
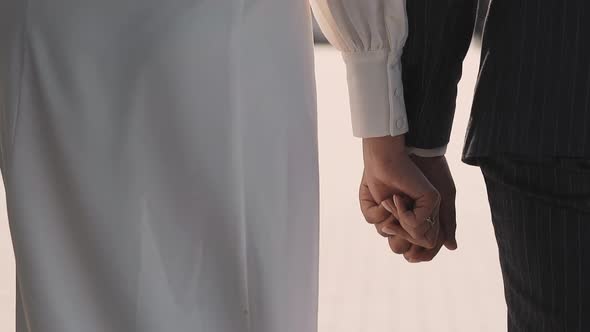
[(398, 250), (370, 219), (410, 258), (430, 244), (398, 247), (373, 220), (395, 251)]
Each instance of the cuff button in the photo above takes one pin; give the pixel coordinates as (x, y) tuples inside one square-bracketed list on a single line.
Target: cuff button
[(400, 123)]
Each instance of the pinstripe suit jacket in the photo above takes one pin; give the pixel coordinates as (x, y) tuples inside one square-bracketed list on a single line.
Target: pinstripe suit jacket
[(533, 92)]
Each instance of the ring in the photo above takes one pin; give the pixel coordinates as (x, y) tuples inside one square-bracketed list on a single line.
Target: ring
[(431, 221)]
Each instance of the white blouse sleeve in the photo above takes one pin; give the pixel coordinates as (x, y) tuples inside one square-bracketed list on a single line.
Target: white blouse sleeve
[(371, 35)]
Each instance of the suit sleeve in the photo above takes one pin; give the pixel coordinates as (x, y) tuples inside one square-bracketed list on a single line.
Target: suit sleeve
[(439, 36)]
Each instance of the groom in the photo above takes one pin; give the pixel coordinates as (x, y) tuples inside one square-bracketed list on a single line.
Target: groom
[(529, 134)]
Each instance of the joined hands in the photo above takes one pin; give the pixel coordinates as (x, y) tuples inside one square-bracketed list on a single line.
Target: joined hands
[(409, 199)]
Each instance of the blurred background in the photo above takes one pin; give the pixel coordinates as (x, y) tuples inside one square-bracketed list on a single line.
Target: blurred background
[(366, 288), (363, 286)]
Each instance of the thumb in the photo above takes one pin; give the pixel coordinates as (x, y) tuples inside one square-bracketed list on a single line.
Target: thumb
[(449, 224), (451, 244), (451, 239)]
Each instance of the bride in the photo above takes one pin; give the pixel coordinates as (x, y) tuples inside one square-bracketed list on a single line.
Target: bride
[(160, 158)]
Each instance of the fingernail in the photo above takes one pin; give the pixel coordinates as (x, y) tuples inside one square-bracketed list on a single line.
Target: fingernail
[(389, 231), (387, 205)]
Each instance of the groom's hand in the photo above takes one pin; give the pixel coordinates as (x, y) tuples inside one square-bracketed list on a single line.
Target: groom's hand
[(389, 172), (388, 226), (438, 173)]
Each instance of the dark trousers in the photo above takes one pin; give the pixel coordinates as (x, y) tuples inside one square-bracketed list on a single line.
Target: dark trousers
[(541, 216)]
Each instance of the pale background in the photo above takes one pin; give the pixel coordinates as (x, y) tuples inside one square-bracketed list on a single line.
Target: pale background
[(363, 286)]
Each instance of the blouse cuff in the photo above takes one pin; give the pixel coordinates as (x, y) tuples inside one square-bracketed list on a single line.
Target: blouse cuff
[(376, 93)]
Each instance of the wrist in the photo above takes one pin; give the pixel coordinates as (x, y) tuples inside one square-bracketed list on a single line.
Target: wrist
[(384, 149)]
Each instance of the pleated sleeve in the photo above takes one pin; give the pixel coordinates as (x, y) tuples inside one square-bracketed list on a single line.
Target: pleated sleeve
[(371, 35)]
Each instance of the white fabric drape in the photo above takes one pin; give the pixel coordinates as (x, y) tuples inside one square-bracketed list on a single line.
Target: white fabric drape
[(160, 164)]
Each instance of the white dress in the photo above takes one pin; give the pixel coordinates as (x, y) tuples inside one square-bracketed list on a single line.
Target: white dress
[(160, 163), (160, 157)]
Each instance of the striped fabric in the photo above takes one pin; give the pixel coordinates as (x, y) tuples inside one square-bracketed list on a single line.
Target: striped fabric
[(533, 94), (541, 216), (532, 102), (440, 33)]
